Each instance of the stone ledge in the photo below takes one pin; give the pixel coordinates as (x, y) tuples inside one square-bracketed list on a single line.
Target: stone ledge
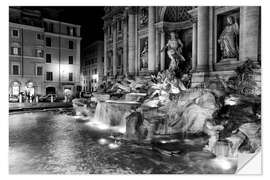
[(228, 64), (199, 77), (202, 76)]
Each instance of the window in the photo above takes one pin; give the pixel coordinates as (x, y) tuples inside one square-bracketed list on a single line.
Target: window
[(68, 30), (15, 69), (70, 76), (15, 33), (95, 71), (15, 51), (48, 42), (48, 58), (39, 70), (70, 44), (71, 31), (49, 76), (120, 26), (110, 31), (119, 60), (49, 27), (74, 31), (70, 60), (40, 37), (39, 53)]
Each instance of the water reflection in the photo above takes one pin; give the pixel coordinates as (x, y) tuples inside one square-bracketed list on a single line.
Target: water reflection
[(54, 143)]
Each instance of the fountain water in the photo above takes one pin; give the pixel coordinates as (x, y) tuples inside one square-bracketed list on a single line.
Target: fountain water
[(111, 114), (100, 113)]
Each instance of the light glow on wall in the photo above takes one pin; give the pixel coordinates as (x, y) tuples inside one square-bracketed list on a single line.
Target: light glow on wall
[(65, 68), (95, 76)]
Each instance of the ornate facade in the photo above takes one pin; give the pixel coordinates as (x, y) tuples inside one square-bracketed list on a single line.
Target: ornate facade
[(215, 39)]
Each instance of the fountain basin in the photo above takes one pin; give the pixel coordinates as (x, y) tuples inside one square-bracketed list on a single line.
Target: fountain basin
[(81, 107), (101, 97), (124, 102), (179, 145), (134, 96)]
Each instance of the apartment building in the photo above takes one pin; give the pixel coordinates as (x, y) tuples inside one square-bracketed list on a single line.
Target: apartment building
[(44, 54), (92, 66)]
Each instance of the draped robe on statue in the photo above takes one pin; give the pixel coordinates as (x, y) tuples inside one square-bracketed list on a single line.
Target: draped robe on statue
[(228, 41)]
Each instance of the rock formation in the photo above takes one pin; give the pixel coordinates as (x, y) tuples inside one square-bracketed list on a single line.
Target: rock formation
[(225, 111)]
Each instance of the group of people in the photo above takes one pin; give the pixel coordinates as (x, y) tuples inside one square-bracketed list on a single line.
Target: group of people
[(27, 97)]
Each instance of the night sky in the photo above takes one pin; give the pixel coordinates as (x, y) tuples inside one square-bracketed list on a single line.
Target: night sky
[(89, 17)]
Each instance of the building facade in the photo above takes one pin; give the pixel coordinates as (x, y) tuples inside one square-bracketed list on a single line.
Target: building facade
[(44, 54), (92, 66), (215, 39)]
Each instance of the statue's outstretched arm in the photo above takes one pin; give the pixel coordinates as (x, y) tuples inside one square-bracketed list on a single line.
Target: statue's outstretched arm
[(236, 28), (180, 42), (165, 47)]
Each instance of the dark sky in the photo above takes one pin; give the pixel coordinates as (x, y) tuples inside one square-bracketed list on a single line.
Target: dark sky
[(89, 17)]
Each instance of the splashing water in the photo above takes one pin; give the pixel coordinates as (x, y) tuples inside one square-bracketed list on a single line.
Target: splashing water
[(111, 115)]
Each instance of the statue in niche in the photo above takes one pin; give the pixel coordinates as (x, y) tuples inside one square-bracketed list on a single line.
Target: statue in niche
[(109, 63), (143, 17), (144, 55), (174, 46), (228, 40)]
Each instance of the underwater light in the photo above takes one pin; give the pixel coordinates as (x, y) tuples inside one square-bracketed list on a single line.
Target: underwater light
[(223, 163), (231, 101), (169, 141), (122, 130), (98, 125), (102, 141), (114, 145), (163, 141)]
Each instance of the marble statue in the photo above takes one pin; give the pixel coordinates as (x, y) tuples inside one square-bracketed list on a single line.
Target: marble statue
[(143, 17), (174, 46), (228, 40), (144, 55)]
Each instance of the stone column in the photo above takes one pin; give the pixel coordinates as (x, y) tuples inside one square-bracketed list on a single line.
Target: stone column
[(157, 63), (131, 42), (203, 38), (162, 54), (151, 39), (125, 45), (211, 50), (194, 45), (249, 33), (105, 52), (114, 47)]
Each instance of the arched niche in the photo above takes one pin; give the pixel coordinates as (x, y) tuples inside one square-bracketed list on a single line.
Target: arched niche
[(175, 13), (177, 19)]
